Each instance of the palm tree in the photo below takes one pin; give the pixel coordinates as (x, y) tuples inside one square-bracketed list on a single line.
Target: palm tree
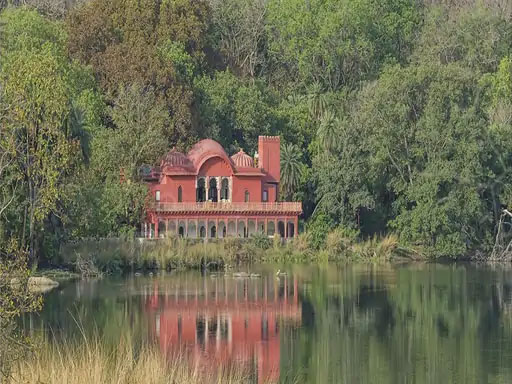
[(328, 131), (76, 129), (291, 169), (317, 101)]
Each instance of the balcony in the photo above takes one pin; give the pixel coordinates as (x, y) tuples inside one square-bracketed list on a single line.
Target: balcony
[(291, 208)]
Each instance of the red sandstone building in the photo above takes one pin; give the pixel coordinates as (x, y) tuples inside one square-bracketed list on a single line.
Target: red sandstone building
[(207, 194)]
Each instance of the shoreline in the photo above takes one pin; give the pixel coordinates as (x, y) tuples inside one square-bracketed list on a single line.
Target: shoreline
[(112, 256)]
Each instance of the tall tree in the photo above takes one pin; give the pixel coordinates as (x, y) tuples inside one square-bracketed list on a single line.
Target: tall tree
[(38, 84), (291, 168), (239, 26), (109, 197), (159, 44)]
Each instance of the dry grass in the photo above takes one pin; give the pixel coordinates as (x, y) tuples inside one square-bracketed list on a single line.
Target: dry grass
[(91, 362), (377, 248)]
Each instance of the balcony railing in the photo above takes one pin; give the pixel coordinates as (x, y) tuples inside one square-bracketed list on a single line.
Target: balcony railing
[(227, 207)]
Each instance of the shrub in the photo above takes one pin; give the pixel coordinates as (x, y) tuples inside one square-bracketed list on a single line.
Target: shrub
[(318, 228), (340, 241), (261, 241)]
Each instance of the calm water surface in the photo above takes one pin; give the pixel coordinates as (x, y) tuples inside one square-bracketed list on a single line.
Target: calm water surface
[(418, 323)]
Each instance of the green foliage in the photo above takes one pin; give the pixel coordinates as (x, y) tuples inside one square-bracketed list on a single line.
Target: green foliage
[(39, 86), (151, 43), (318, 228), (291, 169), (339, 242), (396, 114), (337, 43), (235, 112), (239, 33), (112, 200), (15, 299), (476, 37)]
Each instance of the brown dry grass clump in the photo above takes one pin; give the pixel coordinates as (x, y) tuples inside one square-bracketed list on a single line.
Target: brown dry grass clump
[(91, 362)]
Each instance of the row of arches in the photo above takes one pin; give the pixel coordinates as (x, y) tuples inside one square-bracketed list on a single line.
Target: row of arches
[(211, 191), (225, 228)]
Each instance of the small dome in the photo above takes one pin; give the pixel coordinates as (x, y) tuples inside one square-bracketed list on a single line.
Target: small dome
[(175, 159), (242, 159)]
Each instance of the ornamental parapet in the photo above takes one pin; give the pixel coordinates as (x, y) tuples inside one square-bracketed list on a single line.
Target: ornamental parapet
[(290, 208)]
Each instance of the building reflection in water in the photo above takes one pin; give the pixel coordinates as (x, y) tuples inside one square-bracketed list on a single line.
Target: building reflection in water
[(224, 321)]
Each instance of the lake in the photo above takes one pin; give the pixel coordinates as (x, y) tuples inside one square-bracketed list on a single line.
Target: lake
[(410, 323)]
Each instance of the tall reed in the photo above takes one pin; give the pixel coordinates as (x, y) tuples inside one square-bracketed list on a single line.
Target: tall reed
[(89, 361)]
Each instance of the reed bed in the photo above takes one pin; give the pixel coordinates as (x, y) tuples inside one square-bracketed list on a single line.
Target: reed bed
[(112, 256), (91, 362)]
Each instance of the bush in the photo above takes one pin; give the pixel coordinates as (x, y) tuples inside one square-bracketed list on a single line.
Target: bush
[(318, 228), (340, 242), (261, 241)]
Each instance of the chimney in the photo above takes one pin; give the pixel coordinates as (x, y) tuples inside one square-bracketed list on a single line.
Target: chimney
[(269, 157)]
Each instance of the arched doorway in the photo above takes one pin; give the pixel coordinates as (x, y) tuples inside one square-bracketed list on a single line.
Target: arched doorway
[(251, 228), (181, 231), (222, 230), (280, 228), (231, 228), (271, 229), (161, 229), (291, 229), (200, 190), (202, 231), (224, 189), (212, 191), (241, 229), (192, 232), (213, 232), (172, 227)]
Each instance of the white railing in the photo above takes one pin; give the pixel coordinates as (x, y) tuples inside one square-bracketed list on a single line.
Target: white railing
[(281, 207)]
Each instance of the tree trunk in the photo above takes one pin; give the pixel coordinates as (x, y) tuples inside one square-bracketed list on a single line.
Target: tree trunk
[(31, 231)]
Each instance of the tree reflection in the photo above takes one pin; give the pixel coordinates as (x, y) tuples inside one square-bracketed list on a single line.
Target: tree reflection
[(414, 324)]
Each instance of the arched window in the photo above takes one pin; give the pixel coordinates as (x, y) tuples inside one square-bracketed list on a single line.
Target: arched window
[(247, 196), (180, 194), (200, 191), (212, 192), (224, 191)]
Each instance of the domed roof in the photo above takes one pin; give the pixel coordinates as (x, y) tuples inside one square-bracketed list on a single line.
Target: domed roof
[(175, 158), (242, 159), (204, 150)]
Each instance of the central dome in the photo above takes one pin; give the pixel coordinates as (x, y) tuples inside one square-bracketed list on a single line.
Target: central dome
[(204, 150), (242, 159)]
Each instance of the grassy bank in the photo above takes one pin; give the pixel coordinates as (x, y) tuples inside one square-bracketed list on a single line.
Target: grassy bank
[(91, 362), (115, 255)]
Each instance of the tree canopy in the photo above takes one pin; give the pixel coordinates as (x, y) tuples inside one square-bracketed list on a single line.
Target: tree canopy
[(395, 115)]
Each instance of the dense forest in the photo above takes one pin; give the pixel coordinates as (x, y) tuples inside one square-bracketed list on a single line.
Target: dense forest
[(395, 115)]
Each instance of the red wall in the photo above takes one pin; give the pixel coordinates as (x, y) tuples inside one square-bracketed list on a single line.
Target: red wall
[(273, 193), (169, 188), (215, 166), (241, 184), (269, 155)]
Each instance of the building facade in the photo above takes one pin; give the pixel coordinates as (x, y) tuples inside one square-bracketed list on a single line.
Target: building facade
[(207, 194)]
